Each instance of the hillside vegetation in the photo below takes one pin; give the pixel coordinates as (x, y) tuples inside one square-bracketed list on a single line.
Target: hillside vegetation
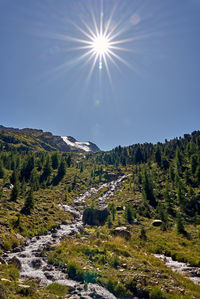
[(162, 183)]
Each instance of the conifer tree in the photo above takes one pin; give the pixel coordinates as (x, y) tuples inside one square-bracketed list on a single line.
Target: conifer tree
[(34, 180), (193, 163), (171, 173), (148, 193), (158, 156), (55, 160), (197, 174), (179, 224), (2, 173), (29, 203), (62, 169), (27, 167), (46, 171), (15, 192), (168, 200), (14, 177), (129, 214)]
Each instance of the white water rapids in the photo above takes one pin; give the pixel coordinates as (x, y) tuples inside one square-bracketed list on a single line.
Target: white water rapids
[(34, 265), (193, 273)]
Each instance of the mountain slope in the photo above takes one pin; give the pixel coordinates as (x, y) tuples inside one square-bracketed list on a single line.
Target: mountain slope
[(32, 139), (153, 212)]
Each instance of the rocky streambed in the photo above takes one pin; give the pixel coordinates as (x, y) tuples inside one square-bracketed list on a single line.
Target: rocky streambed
[(193, 273), (33, 264)]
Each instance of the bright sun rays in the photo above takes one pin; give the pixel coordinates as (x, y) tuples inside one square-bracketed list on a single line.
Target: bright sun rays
[(100, 43), (102, 38)]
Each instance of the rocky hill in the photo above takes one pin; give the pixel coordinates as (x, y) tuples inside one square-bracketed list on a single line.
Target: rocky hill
[(33, 139)]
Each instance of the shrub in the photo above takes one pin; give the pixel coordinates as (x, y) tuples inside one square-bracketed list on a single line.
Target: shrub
[(90, 276), (75, 272), (57, 289), (156, 293), (143, 235)]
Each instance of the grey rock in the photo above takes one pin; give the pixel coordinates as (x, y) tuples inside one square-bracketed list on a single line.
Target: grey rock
[(157, 222), (95, 216), (122, 231), (8, 186), (36, 263)]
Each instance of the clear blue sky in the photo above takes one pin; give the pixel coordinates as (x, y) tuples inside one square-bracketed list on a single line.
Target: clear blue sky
[(44, 84)]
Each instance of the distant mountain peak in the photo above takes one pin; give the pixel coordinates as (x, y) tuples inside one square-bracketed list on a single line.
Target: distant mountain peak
[(44, 140), (78, 145)]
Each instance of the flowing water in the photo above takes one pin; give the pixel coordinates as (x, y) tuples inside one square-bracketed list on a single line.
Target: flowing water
[(34, 265), (193, 273)]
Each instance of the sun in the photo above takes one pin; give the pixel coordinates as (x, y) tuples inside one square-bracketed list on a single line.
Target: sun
[(100, 40), (101, 45)]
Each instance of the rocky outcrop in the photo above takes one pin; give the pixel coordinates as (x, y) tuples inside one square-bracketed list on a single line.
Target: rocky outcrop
[(122, 231), (95, 216)]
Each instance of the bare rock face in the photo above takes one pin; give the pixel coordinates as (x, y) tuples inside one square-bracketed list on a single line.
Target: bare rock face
[(95, 216), (122, 231), (157, 222)]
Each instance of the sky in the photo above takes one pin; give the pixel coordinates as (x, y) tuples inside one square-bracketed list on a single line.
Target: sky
[(147, 90)]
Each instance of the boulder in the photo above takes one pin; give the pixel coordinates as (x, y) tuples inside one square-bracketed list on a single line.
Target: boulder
[(120, 208), (122, 231), (36, 263), (8, 186), (20, 237), (95, 216), (136, 222), (157, 222)]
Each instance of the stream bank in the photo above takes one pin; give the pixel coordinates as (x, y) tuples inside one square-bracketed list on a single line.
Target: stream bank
[(33, 264)]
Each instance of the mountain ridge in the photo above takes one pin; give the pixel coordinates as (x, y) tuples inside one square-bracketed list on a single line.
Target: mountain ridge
[(36, 139)]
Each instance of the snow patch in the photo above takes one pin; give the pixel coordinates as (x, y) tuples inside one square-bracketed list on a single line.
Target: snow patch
[(77, 144)]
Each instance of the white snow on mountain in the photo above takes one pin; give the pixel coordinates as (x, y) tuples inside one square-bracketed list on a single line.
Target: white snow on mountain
[(77, 144)]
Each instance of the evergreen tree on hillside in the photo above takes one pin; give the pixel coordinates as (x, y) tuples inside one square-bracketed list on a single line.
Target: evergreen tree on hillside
[(138, 156), (171, 173), (34, 180), (69, 161), (62, 169), (55, 160), (178, 160), (129, 214), (148, 193), (46, 171), (27, 167), (158, 158), (14, 177), (180, 224), (197, 175), (168, 198), (15, 192), (193, 163), (1, 170), (29, 203)]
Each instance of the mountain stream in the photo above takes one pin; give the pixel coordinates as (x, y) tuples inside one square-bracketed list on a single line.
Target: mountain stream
[(193, 273), (34, 265)]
